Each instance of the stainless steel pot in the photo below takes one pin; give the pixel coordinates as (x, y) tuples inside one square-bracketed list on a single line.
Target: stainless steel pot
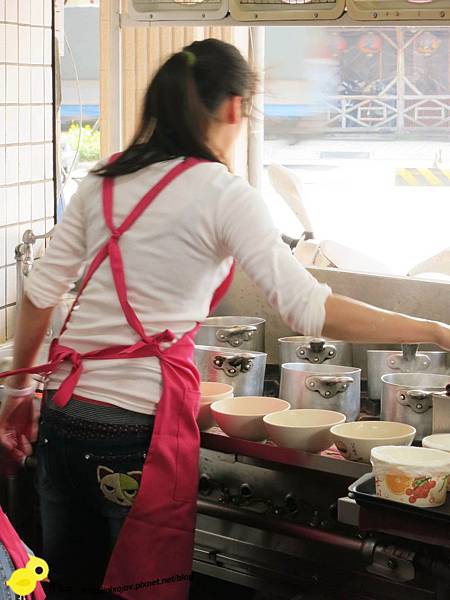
[(243, 370), (329, 387), (408, 398), (244, 333), (382, 362), (316, 351)]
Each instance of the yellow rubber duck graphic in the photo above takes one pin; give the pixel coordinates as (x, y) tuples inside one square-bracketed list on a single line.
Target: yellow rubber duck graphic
[(23, 581)]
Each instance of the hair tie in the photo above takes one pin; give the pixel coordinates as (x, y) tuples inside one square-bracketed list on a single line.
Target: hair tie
[(190, 57)]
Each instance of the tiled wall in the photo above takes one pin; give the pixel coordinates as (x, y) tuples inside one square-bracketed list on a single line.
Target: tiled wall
[(26, 136)]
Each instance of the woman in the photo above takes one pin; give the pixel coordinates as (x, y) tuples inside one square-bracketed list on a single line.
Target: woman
[(122, 372)]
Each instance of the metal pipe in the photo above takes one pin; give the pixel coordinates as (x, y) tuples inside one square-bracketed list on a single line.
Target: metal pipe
[(245, 517), (19, 256), (24, 257)]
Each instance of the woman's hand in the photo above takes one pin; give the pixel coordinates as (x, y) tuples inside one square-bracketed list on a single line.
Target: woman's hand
[(18, 426)]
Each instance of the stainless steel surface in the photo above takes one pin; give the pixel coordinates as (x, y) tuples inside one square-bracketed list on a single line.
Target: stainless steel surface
[(244, 333), (381, 362), (425, 299), (243, 370), (328, 387), (313, 350), (234, 454), (405, 399)]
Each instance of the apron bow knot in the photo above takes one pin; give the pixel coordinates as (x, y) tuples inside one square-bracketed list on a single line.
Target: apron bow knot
[(59, 354)]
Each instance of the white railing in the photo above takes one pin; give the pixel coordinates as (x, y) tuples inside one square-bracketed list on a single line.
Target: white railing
[(387, 113)]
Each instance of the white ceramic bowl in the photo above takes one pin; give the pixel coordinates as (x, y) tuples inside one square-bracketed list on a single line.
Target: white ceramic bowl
[(242, 417), (411, 475), (438, 441), (211, 391), (306, 429), (356, 440)]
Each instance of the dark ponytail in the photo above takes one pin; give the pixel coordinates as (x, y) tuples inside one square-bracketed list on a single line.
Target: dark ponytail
[(181, 101)]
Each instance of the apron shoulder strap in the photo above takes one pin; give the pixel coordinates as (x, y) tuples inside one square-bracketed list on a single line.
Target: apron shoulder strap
[(143, 204), (114, 251)]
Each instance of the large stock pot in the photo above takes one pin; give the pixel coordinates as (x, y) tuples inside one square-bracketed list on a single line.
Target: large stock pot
[(244, 333), (408, 398), (328, 387), (382, 362), (243, 370)]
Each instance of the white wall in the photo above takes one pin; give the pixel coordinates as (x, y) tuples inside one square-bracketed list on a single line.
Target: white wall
[(26, 136)]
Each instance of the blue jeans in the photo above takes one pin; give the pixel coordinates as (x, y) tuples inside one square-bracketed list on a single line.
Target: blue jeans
[(86, 488)]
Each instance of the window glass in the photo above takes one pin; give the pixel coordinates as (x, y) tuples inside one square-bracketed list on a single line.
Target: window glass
[(80, 106), (361, 118)]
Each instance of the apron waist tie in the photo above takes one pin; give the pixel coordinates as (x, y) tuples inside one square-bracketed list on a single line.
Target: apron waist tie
[(68, 386), (149, 346)]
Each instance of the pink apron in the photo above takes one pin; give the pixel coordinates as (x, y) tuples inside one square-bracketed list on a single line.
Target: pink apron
[(153, 554)]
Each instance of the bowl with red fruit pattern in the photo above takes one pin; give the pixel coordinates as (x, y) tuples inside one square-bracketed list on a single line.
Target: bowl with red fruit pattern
[(411, 475)]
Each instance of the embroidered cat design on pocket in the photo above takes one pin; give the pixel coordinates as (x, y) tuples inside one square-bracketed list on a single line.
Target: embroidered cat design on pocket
[(120, 488)]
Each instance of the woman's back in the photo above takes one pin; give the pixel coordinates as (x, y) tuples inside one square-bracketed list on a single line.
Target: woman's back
[(175, 256)]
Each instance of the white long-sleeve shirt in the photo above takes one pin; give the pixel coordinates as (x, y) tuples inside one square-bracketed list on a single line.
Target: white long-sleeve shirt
[(175, 256)]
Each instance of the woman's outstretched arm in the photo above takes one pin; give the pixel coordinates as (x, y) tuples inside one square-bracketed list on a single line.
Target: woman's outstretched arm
[(348, 319)]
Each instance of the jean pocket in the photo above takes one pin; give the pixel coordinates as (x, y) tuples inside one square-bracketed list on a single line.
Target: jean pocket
[(116, 473), (188, 447)]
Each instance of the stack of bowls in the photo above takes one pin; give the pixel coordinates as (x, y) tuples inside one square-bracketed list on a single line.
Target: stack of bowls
[(211, 391)]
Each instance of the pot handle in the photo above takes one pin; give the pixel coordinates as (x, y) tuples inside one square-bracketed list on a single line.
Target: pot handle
[(317, 351), (237, 335), (234, 365), (409, 361), (328, 386), (409, 351), (418, 400)]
